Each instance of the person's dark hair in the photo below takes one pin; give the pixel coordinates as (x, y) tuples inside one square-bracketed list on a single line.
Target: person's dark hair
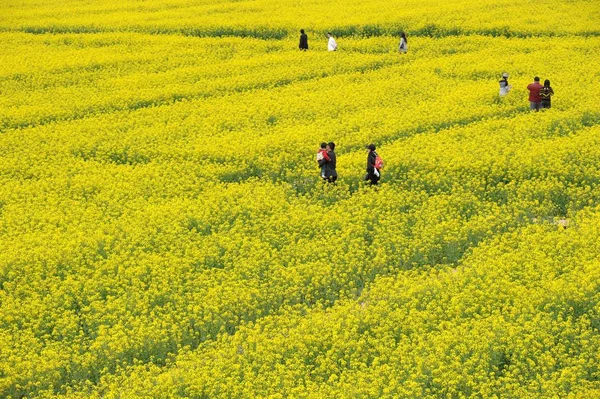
[(329, 33), (331, 145), (536, 79), (403, 36), (371, 147), (546, 83), (323, 145), (302, 31)]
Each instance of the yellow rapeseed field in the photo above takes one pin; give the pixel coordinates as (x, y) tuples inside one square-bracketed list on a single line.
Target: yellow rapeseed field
[(164, 232)]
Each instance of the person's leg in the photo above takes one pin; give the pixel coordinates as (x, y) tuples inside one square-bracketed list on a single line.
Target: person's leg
[(532, 106)]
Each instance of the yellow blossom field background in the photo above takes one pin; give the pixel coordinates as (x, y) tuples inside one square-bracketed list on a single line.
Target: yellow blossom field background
[(164, 232)]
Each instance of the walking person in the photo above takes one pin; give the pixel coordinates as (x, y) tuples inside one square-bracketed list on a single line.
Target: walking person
[(303, 41), (330, 173), (403, 46), (505, 87), (546, 93), (535, 101), (374, 165), (331, 43)]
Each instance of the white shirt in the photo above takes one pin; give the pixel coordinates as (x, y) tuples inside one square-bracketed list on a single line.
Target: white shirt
[(331, 44), (504, 88), (403, 45)]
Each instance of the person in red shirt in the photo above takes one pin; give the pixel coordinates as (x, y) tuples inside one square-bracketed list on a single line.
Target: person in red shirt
[(535, 101), (322, 155)]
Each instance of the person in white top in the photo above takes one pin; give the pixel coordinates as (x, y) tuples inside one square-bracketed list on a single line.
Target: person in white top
[(504, 86), (331, 44), (403, 46)]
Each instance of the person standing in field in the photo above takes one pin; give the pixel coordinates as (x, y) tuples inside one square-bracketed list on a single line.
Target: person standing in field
[(504, 86), (546, 93), (373, 169), (534, 94), (331, 43), (323, 155), (403, 46), (330, 174), (303, 41)]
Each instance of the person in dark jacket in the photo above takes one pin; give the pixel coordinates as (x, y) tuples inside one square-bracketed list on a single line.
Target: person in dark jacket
[(330, 165), (373, 175), (303, 41)]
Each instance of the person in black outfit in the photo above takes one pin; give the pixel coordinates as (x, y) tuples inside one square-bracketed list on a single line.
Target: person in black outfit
[(303, 41), (330, 165), (373, 174), (546, 94)]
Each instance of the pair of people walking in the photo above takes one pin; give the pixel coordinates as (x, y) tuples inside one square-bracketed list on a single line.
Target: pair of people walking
[(327, 161), (331, 43), (540, 96)]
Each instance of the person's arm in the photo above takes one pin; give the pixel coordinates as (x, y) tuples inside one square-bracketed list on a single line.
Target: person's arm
[(370, 163), (326, 156)]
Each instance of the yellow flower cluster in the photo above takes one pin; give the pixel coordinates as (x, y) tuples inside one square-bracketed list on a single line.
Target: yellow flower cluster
[(164, 231), (275, 19), (518, 318)]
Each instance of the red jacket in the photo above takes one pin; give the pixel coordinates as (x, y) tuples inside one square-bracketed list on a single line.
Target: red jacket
[(326, 155), (534, 92)]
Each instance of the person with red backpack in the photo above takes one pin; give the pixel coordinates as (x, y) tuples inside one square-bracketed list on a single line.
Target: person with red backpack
[(374, 166)]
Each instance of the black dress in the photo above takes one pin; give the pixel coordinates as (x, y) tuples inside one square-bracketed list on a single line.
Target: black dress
[(303, 42)]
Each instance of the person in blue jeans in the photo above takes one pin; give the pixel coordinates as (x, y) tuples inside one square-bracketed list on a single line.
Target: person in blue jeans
[(535, 101)]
